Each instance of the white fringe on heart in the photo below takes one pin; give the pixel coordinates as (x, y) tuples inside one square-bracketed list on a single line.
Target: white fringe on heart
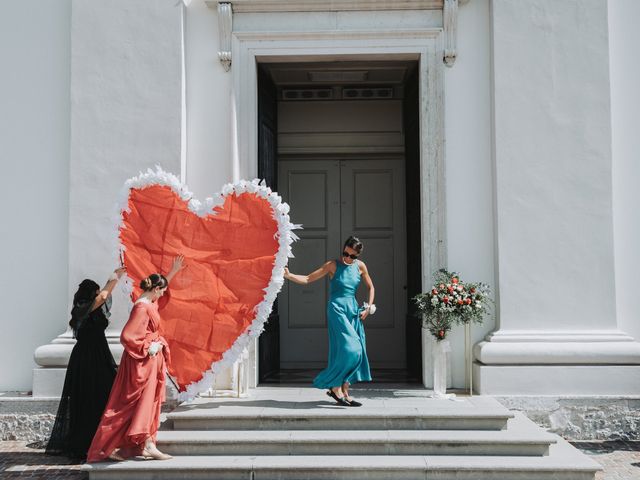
[(284, 235)]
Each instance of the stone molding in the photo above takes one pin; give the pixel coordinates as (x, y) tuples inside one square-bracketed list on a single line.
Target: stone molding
[(265, 6), (225, 27), (425, 46), (57, 353), (227, 8), (595, 347), (450, 24)]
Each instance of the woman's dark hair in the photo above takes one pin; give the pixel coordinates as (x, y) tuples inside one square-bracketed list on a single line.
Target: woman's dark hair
[(355, 243), (152, 281), (82, 303), (87, 290)]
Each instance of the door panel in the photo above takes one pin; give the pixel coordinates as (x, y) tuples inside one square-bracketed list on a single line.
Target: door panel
[(372, 193), (312, 188), (305, 308), (335, 199)]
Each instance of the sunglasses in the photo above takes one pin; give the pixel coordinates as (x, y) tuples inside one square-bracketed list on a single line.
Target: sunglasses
[(346, 254)]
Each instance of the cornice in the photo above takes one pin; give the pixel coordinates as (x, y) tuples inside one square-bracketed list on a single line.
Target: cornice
[(248, 6)]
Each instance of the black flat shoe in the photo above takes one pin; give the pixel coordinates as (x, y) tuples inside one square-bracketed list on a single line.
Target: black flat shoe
[(340, 401), (354, 403)]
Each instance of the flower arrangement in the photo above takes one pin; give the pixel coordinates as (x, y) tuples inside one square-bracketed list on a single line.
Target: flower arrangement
[(451, 301)]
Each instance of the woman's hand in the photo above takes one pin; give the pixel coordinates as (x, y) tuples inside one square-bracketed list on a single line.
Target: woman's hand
[(117, 274), (364, 313), (286, 273), (178, 263)]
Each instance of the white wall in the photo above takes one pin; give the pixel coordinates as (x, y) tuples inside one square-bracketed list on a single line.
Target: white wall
[(209, 104), (468, 164), (126, 85), (624, 42), (34, 166), (553, 165)]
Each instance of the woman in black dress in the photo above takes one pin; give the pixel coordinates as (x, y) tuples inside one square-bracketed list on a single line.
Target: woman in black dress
[(90, 371)]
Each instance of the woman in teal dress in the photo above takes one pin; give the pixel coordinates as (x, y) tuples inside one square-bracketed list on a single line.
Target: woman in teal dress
[(348, 362)]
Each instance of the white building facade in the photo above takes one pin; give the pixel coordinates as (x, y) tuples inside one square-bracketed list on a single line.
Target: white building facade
[(498, 135)]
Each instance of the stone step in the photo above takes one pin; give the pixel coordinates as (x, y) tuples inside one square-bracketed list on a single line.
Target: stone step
[(522, 437), (386, 421), (563, 463), (475, 413)]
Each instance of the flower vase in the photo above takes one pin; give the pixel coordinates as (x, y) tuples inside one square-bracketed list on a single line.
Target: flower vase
[(439, 354)]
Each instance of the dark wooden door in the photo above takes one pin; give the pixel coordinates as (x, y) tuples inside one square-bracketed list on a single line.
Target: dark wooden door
[(269, 341), (411, 126)]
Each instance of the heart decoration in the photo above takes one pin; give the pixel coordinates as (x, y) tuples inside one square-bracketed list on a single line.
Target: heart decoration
[(236, 245)]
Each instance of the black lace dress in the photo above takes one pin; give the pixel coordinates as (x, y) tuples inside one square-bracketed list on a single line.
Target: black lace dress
[(87, 384)]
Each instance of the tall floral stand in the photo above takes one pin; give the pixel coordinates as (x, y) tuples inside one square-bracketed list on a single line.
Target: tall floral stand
[(468, 358), (440, 360)]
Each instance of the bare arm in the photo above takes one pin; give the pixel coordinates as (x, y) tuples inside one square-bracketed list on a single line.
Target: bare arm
[(372, 291), (328, 268), (108, 288), (177, 266)]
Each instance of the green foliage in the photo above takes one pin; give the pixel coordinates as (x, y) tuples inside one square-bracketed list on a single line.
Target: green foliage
[(450, 301)]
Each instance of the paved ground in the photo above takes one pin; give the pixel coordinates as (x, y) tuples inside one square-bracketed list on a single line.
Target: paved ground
[(621, 461), (19, 461)]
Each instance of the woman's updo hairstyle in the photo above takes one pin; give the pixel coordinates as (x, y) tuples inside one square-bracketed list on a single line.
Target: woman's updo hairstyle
[(152, 281), (355, 243)]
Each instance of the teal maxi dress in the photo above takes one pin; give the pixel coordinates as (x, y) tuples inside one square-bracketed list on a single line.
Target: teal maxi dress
[(348, 360)]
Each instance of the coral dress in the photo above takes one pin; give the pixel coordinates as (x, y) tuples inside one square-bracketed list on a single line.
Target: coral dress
[(132, 413), (348, 360)]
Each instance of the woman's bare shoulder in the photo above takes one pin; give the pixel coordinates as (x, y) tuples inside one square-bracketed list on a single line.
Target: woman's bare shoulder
[(330, 265)]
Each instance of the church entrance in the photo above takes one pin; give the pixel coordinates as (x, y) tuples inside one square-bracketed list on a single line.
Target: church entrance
[(339, 141)]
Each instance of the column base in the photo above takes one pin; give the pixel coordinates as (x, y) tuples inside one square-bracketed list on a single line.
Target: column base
[(53, 358), (557, 380), (590, 363)]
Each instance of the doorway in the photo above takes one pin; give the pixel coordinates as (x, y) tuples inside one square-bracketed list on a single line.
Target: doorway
[(334, 139)]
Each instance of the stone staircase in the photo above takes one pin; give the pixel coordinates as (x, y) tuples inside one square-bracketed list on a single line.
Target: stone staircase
[(294, 433)]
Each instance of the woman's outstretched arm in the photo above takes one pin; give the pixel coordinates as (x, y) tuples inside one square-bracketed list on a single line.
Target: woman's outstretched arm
[(108, 288), (177, 266), (328, 267)]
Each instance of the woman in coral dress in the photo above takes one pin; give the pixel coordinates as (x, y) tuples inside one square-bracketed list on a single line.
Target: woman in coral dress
[(131, 418)]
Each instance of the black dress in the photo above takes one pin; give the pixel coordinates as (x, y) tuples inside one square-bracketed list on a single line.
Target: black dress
[(87, 384)]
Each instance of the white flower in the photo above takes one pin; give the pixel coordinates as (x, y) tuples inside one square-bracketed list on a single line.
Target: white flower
[(434, 300)]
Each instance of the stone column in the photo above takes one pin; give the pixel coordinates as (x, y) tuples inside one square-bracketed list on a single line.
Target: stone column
[(558, 332), (126, 116)]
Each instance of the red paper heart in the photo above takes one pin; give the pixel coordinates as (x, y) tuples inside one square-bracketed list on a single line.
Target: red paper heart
[(227, 289)]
